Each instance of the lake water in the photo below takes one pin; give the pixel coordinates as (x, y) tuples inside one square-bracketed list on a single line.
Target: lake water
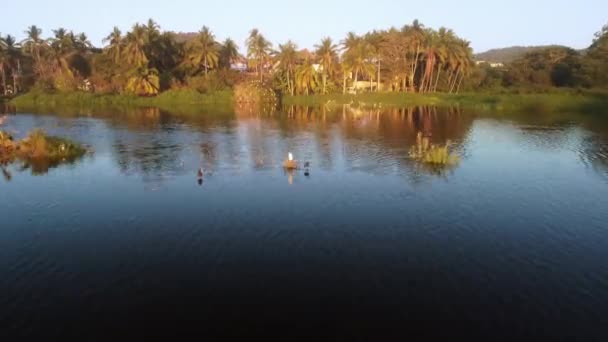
[(511, 242)]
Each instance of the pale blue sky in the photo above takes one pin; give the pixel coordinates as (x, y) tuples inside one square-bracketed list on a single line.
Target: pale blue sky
[(487, 24)]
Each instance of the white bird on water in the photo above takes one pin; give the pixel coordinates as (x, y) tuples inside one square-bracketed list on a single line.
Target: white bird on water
[(3, 119), (290, 156)]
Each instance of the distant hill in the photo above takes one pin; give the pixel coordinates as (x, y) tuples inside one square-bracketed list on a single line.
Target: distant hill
[(509, 54), (183, 37)]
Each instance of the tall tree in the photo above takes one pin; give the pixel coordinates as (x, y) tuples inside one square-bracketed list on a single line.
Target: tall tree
[(327, 57), (414, 35), (33, 45), (136, 42), (13, 50), (4, 63), (203, 51), (115, 47), (306, 77), (357, 54), (229, 53), (375, 40), (287, 59), (258, 51)]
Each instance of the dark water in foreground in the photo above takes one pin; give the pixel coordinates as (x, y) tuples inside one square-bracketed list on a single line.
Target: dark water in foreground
[(513, 242)]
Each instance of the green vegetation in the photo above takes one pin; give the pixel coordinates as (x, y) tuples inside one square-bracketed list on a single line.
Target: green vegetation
[(39, 149), (588, 101), (509, 54), (150, 67), (167, 99), (434, 155), (254, 92)]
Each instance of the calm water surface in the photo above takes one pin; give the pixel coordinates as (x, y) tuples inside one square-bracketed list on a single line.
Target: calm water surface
[(512, 242)]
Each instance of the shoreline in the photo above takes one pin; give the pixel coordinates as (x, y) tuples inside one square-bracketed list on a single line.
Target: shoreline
[(557, 101), (585, 101)]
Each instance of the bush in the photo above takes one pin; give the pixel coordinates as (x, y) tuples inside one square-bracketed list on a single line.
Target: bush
[(254, 92)]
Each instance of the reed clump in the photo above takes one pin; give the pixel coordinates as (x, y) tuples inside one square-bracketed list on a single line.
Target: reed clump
[(435, 155)]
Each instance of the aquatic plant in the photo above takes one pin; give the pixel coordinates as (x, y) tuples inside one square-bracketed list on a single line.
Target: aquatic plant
[(39, 148), (436, 155), (38, 145)]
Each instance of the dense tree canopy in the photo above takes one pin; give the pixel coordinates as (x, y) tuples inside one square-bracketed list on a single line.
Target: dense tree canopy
[(413, 58)]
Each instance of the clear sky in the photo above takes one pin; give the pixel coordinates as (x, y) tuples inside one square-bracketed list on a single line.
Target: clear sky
[(487, 24)]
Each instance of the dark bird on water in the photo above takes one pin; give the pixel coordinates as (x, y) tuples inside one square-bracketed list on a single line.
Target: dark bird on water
[(200, 173)]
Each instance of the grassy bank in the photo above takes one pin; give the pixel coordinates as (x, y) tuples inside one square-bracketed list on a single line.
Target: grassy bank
[(168, 99), (560, 101), (192, 101)]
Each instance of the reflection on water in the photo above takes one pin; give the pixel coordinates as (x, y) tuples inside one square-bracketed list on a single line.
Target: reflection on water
[(515, 233), (155, 144)]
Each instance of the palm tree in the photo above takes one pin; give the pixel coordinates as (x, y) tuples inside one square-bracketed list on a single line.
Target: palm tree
[(306, 77), (287, 59), (82, 42), (166, 52), (33, 44), (229, 53), (460, 62), (327, 56), (203, 51), (347, 70), (357, 55), (115, 45), (13, 50), (429, 56), (62, 46), (376, 42), (152, 30), (251, 42), (144, 82), (350, 41), (4, 62), (414, 35), (258, 51), (136, 42), (446, 38)]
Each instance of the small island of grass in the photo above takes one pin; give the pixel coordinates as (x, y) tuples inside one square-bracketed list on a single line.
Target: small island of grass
[(39, 149)]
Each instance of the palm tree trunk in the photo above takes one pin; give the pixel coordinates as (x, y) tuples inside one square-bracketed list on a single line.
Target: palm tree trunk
[(324, 82), (356, 80), (455, 79), (378, 87), (459, 83), (14, 83), (344, 84), (450, 76), (415, 67), (429, 85), (421, 87), (437, 80), (3, 80)]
